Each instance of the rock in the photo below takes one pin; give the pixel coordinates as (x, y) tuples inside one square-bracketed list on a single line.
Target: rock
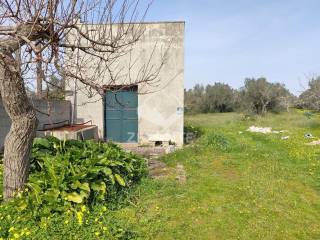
[(263, 130), (170, 149), (285, 137)]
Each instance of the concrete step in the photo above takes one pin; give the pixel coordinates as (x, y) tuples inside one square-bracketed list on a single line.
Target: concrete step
[(149, 152)]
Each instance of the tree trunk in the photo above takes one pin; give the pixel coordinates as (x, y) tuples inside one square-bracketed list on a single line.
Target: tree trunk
[(18, 142), (39, 80)]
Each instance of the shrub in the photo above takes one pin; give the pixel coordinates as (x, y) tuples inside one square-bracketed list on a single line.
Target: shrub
[(191, 133), (217, 141), (71, 172), (71, 178)]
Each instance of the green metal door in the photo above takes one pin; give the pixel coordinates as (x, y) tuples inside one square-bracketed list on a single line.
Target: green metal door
[(121, 116)]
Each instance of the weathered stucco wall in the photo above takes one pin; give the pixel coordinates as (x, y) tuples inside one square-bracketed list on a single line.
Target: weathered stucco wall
[(52, 113), (49, 114), (160, 110)]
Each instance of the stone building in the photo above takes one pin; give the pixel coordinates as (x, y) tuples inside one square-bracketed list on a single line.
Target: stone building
[(143, 114)]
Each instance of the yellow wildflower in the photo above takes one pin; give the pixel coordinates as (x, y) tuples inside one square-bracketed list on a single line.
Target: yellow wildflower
[(83, 208), (80, 218)]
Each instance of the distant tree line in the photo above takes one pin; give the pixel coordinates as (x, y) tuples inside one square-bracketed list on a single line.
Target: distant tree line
[(257, 96)]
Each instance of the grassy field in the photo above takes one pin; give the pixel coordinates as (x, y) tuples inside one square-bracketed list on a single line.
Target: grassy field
[(240, 185)]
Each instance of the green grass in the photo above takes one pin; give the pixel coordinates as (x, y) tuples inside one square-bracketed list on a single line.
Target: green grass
[(239, 186), (253, 187)]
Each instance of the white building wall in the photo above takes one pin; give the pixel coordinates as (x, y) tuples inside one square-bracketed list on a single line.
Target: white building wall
[(161, 105)]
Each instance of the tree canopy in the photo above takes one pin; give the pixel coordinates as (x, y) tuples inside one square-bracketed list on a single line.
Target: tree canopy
[(257, 96), (310, 98)]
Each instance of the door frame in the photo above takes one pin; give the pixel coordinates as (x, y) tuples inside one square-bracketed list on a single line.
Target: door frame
[(118, 88)]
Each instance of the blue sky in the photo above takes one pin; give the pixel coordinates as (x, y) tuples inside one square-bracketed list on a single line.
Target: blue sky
[(227, 41)]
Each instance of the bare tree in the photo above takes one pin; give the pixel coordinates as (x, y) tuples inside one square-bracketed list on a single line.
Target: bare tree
[(39, 30)]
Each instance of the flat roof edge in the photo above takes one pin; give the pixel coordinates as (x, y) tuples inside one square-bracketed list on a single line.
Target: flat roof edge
[(160, 22), (146, 22)]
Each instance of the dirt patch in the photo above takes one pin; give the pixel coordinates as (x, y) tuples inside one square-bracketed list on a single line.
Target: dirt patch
[(158, 169), (306, 193), (221, 169), (181, 174)]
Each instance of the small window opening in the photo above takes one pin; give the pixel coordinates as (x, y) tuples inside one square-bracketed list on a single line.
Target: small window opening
[(158, 143)]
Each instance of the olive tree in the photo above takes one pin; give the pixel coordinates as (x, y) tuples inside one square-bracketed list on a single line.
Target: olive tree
[(194, 99), (33, 37), (211, 98), (219, 98), (310, 98), (260, 96)]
